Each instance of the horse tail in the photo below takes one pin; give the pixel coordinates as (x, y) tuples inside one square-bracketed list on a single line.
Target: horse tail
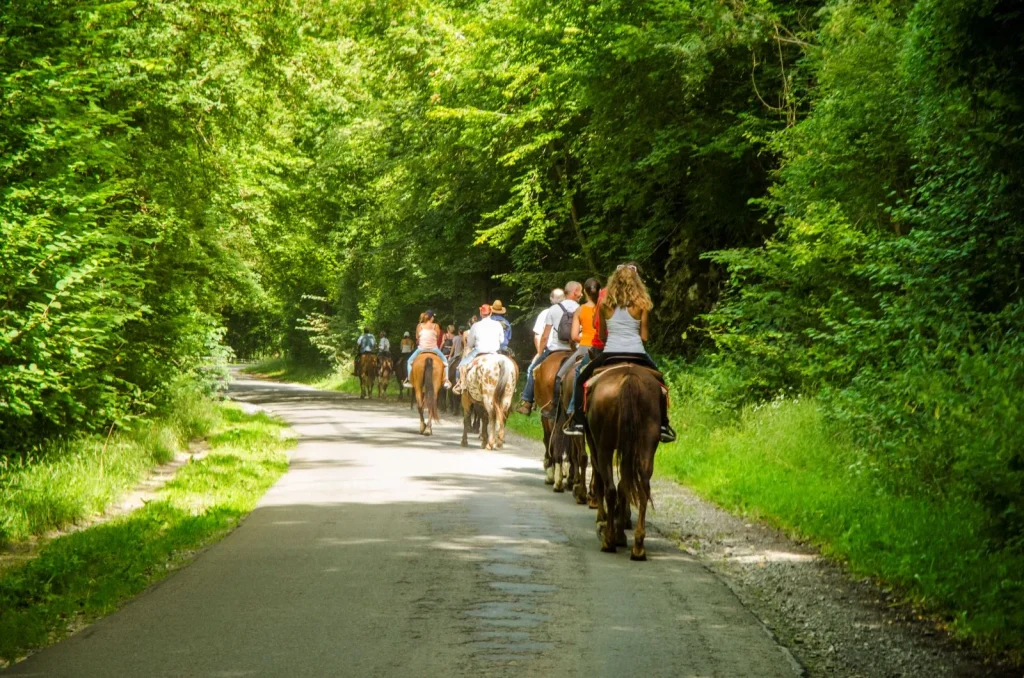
[(630, 422), (429, 395), (500, 389)]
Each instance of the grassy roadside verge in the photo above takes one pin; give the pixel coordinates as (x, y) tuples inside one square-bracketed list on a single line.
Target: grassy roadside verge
[(782, 462), (87, 574), (72, 480), (285, 369)]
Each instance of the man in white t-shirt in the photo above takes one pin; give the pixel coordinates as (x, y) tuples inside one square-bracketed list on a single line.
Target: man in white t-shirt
[(561, 303), (485, 336)]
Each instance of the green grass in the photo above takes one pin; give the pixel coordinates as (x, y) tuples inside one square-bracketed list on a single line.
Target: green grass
[(528, 427), (784, 464), (285, 369), (72, 480), (86, 574)]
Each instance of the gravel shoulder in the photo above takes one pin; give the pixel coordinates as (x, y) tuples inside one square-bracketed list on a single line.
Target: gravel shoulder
[(833, 624)]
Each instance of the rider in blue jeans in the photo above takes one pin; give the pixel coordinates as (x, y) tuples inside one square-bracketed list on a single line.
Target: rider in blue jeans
[(561, 303)]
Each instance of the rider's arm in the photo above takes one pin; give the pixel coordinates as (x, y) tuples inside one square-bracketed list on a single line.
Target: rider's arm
[(643, 326), (604, 324), (544, 338), (577, 326)]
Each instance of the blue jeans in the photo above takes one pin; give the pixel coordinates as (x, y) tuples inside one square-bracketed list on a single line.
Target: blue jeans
[(579, 366), (435, 351), (528, 389)]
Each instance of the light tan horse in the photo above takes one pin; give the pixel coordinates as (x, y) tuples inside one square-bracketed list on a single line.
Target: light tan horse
[(490, 383), (427, 378), (387, 369)]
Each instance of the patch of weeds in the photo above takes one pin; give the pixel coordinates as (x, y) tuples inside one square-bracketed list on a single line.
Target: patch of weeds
[(70, 480), (88, 574)]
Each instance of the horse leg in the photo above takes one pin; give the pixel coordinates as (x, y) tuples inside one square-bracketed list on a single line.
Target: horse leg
[(639, 552), (549, 467), (467, 411), (622, 519), (556, 453), (608, 540), (579, 491), (599, 490)]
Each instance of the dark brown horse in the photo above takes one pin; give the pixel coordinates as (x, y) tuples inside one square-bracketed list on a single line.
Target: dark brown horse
[(572, 448), (387, 369), (402, 373), (427, 378), (543, 391), (449, 401), (367, 374), (623, 413)]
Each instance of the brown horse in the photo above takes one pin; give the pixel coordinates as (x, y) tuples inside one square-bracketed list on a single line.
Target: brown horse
[(387, 368), (571, 447), (623, 413), (543, 391), (427, 378), (367, 374), (490, 383)]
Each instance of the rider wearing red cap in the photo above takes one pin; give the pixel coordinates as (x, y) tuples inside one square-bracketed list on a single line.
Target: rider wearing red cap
[(486, 336)]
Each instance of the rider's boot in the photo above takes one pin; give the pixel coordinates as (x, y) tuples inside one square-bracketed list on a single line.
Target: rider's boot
[(668, 434), (525, 407), (574, 425)]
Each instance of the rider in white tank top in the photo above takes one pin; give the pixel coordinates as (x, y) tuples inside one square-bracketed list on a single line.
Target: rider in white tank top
[(623, 333)]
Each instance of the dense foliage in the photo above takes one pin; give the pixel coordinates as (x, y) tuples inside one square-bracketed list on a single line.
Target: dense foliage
[(825, 195)]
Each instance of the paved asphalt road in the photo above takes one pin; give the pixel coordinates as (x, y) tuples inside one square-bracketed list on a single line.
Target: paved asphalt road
[(384, 553)]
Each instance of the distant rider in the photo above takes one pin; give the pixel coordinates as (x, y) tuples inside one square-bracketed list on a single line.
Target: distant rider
[(428, 338), (498, 315), (364, 344)]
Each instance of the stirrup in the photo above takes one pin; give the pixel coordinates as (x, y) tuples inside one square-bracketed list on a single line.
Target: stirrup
[(406, 384), (668, 435), (572, 427)]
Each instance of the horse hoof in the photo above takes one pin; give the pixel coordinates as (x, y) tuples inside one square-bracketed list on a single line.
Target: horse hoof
[(559, 489), (607, 549), (579, 498), (549, 475), (639, 557), (465, 443), (621, 540), (591, 504)]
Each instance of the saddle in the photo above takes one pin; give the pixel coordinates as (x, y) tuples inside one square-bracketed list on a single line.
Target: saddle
[(618, 365), (564, 357)]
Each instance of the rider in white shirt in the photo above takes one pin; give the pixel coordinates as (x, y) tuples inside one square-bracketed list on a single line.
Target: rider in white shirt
[(486, 336)]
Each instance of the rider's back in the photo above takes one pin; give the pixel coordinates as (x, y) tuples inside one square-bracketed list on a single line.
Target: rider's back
[(623, 333)]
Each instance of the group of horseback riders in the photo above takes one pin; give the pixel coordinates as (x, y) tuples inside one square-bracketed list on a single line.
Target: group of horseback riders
[(592, 327)]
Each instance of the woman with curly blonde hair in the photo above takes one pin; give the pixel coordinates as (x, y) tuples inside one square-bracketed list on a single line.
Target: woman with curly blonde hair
[(624, 329)]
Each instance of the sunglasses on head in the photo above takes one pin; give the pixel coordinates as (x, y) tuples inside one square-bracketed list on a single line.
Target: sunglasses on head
[(629, 266)]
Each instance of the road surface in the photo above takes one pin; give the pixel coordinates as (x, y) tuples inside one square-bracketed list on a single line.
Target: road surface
[(384, 553)]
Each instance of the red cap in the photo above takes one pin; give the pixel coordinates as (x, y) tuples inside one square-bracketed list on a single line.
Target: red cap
[(485, 309)]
